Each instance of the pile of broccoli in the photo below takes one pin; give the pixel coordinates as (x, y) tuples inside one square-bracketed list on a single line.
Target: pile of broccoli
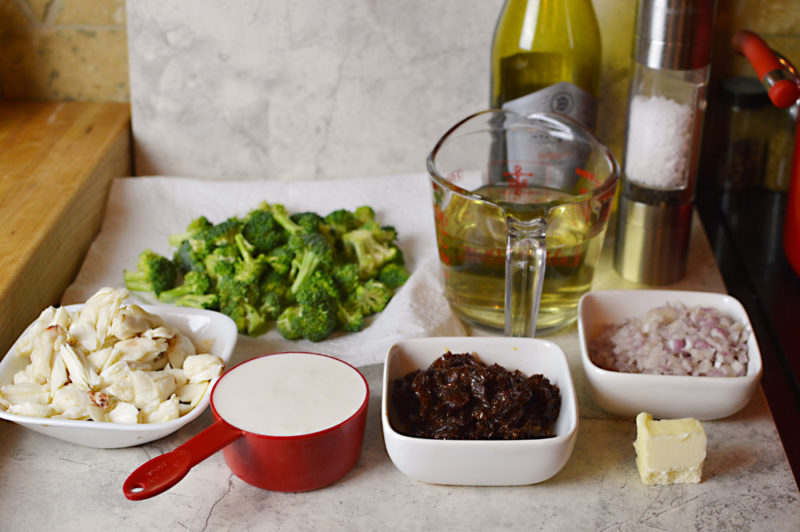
[(310, 275)]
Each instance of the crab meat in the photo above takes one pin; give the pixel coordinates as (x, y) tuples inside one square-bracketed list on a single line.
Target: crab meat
[(199, 368)]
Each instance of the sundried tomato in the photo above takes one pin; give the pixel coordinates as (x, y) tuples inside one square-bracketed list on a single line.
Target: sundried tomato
[(460, 397)]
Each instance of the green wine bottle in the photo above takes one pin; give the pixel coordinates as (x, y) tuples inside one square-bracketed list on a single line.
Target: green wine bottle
[(546, 57)]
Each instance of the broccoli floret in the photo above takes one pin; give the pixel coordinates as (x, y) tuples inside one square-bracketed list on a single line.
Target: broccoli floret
[(153, 273), (192, 251), (311, 250), (288, 323), (262, 231), (315, 316), (221, 233), (347, 276), (206, 301), (385, 234), (249, 268), (370, 297), (364, 214), (195, 226), (321, 308), (341, 221), (281, 216), (310, 222), (393, 275), (319, 288), (398, 257), (349, 319), (317, 322), (249, 320), (188, 258), (280, 259), (368, 252), (194, 283), (270, 305), (221, 262), (240, 301), (233, 291), (275, 283)]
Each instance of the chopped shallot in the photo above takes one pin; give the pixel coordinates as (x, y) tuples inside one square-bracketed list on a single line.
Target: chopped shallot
[(674, 340)]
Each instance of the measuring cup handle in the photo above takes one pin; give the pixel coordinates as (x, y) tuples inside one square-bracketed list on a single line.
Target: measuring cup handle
[(164, 471), (526, 256)]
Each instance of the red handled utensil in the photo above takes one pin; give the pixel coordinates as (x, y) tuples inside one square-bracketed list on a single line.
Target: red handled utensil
[(782, 89), (166, 470), (781, 80), (292, 463)]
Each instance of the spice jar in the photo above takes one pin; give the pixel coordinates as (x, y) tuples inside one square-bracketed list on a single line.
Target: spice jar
[(744, 133), (666, 104)]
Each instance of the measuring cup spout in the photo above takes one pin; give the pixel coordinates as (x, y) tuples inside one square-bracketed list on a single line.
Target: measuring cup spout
[(526, 256)]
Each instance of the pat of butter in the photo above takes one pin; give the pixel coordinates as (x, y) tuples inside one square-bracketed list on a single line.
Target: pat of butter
[(669, 451)]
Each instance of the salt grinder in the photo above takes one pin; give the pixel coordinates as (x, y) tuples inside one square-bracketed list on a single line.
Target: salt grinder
[(666, 103)]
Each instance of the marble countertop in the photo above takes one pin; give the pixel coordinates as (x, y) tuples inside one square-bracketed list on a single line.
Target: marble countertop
[(747, 483)]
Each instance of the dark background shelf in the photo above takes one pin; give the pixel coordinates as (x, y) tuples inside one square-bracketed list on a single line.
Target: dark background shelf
[(745, 229)]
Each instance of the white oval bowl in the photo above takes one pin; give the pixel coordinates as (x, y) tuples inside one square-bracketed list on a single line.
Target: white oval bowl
[(663, 396), (482, 462), (203, 327)]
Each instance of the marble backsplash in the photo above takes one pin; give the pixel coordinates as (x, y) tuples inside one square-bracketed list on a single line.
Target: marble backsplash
[(319, 89), (308, 90), (304, 90)]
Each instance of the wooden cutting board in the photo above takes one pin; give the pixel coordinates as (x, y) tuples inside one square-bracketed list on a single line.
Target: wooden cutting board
[(57, 161)]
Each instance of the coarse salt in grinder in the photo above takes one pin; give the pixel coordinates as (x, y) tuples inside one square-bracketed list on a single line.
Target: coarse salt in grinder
[(666, 104)]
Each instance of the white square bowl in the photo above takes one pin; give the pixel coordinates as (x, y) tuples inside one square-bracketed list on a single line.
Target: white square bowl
[(213, 331), (663, 396), (482, 462)]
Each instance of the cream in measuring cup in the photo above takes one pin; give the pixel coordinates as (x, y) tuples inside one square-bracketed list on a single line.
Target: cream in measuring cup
[(289, 394), (284, 422)]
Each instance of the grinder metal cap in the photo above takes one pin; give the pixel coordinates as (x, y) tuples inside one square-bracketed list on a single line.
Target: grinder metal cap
[(652, 241), (673, 34)]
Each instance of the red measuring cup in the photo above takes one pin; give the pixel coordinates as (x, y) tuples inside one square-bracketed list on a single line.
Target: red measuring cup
[(305, 450)]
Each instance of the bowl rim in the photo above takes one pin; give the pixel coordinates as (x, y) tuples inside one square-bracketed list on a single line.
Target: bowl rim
[(569, 400), (754, 362), (107, 426)]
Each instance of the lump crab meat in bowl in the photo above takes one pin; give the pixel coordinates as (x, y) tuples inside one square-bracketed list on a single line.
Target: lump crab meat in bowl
[(111, 374)]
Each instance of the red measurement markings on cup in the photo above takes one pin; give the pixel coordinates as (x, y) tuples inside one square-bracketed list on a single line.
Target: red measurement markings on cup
[(441, 224), (484, 255), (562, 257), (588, 176), (516, 180)]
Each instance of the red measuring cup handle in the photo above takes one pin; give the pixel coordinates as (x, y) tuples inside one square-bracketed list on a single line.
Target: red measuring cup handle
[(164, 471), (782, 90)]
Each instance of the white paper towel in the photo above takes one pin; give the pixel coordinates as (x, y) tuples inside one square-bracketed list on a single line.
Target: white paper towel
[(142, 212)]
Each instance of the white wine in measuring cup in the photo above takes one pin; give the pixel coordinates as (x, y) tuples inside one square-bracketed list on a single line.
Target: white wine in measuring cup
[(521, 206), (472, 249)]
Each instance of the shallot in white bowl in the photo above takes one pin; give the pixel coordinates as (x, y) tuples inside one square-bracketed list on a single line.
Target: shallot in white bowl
[(671, 353)]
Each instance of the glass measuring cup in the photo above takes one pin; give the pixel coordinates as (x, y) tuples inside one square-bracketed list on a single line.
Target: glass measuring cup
[(521, 206)]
